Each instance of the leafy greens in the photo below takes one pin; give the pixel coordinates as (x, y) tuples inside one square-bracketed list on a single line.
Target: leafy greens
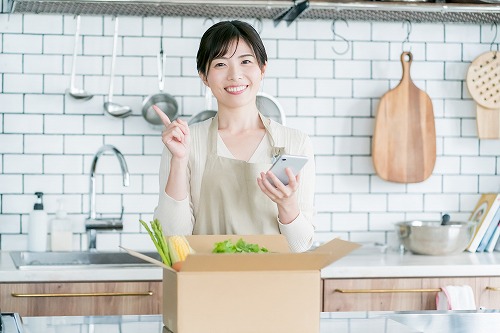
[(241, 246)]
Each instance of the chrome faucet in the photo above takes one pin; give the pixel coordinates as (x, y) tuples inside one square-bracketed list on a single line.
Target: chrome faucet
[(93, 223)]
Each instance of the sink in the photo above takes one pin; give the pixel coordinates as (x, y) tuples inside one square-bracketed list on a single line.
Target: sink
[(44, 260)]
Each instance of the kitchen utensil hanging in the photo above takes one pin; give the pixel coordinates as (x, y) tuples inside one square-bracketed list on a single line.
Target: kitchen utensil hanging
[(404, 140), (270, 107), (162, 100), (73, 91), (483, 82), (112, 108), (208, 113)]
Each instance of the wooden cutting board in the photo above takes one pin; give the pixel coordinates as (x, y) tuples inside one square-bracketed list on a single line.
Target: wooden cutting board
[(488, 122), (483, 82), (404, 140)]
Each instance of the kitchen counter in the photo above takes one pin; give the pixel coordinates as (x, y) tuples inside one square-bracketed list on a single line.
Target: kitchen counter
[(341, 322), (371, 262), (9, 273), (366, 262)]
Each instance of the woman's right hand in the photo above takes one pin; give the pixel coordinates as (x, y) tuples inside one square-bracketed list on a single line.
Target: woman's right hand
[(175, 136)]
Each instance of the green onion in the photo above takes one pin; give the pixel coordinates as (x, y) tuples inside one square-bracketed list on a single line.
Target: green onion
[(156, 234)]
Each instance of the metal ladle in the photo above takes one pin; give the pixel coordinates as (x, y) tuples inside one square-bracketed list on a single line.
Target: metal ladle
[(115, 109), (73, 91)]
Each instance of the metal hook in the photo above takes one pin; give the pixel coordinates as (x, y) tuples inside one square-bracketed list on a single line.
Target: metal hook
[(494, 24), (341, 37), (257, 23), (208, 19), (408, 32)]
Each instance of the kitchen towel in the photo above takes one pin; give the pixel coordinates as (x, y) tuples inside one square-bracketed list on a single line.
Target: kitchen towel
[(455, 298)]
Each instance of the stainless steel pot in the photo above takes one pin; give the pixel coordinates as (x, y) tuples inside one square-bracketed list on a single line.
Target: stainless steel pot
[(270, 107), (208, 113), (433, 238)]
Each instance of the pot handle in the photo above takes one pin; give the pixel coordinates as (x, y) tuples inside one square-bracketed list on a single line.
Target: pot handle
[(161, 59), (208, 98)]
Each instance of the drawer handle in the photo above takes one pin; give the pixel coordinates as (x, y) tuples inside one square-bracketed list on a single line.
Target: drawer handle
[(385, 291), (148, 293), (493, 288)]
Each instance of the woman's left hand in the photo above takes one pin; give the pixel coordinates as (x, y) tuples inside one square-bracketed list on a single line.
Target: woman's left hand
[(283, 195)]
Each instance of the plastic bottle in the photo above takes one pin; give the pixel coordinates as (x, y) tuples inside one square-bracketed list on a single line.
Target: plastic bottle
[(37, 228), (61, 238)]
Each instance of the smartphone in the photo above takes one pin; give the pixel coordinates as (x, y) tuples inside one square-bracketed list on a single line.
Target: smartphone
[(294, 162)]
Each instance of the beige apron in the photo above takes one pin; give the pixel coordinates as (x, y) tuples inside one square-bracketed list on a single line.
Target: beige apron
[(231, 202)]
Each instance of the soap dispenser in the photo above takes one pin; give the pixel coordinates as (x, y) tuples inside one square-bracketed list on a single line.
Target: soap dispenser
[(61, 230), (37, 228)]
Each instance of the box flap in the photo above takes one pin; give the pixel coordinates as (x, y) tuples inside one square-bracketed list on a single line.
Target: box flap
[(145, 258), (314, 260), (205, 243), (336, 247)]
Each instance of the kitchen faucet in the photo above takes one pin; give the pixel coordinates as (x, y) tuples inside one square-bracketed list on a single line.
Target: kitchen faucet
[(94, 223)]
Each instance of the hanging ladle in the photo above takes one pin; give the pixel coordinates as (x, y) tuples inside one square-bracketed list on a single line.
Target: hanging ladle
[(115, 109), (73, 91)]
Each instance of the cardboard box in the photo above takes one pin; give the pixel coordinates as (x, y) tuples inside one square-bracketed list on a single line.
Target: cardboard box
[(238, 293)]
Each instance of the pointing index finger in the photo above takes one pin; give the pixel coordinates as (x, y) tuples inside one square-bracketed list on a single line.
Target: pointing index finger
[(164, 118)]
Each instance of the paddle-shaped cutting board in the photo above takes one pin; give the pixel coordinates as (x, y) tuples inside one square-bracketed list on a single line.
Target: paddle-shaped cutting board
[(488, 122), (404, 140)]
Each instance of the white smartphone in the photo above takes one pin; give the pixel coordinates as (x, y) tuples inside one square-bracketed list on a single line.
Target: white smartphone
[(294, 162)]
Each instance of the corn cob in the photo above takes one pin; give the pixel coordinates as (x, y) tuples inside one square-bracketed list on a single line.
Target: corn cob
[(178, 248)]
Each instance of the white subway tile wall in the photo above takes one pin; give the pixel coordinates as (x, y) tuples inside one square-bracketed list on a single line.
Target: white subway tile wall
[(329, 87)]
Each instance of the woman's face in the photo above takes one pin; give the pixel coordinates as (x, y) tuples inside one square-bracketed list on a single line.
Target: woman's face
[(235, 77)]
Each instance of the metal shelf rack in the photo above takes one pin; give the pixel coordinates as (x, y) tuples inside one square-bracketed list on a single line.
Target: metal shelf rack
[(357, 10)]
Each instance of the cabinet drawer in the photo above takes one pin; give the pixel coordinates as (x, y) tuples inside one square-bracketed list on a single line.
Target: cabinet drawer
[(374, 294), (488, 292), (81, 298)]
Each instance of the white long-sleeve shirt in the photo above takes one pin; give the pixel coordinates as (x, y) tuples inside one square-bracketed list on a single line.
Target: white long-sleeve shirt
[(178, 217)]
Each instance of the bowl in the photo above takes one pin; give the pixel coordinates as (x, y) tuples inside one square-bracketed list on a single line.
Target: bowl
[(432, 238)]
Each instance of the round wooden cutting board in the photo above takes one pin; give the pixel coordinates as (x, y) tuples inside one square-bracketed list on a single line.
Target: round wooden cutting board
[(483, 80), (404, 141)]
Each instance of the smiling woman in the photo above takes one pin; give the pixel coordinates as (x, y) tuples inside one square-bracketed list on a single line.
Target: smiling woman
[(214, 174)]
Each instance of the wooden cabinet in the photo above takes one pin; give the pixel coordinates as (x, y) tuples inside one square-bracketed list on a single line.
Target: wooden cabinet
[(82, 298), (429, 299), (372, 294), (402, 294), (488, 293)]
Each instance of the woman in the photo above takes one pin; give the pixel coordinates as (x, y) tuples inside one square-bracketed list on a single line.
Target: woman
[(214, 174)]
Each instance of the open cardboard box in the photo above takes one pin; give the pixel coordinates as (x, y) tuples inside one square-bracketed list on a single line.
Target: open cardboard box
[(238, 293)]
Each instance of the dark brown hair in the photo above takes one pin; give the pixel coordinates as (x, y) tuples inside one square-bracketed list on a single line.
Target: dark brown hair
[(216, 41)]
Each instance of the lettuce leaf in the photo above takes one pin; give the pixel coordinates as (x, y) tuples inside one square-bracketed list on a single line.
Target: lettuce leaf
[(241, 246)]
